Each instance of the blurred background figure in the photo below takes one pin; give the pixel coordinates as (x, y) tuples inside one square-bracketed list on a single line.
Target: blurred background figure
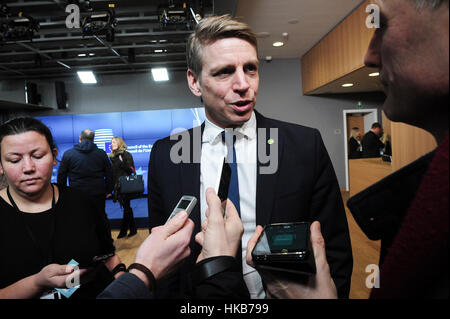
[(122, 165), (371, 143), (354, 144), (88, 169)]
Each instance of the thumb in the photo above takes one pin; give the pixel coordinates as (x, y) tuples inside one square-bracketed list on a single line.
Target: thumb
[(199, 238), (60, 270), (318, 245), (252, 243), (175, 224)]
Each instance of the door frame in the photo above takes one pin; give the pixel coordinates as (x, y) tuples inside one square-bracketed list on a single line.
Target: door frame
[(344, 114)]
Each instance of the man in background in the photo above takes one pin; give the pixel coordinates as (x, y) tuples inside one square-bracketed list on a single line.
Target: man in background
[(371, 143), (88, 169)]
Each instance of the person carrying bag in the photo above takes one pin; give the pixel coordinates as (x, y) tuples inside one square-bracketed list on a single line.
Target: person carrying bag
[(123, 168)]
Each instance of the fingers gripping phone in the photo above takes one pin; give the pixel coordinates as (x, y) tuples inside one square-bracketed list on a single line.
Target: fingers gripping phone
[(186, 203), (285, 247), (96, 260)]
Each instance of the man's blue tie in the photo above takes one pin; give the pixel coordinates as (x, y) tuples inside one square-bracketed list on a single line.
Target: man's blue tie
[(233, 191)]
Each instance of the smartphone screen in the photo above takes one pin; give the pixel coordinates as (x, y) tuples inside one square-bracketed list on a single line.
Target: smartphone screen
[(283, 238)]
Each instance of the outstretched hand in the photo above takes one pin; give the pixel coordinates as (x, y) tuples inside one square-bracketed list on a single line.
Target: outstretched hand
[(221, 236), (287, 286)]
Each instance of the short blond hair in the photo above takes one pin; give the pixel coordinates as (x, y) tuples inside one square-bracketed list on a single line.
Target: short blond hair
[(211, 29)]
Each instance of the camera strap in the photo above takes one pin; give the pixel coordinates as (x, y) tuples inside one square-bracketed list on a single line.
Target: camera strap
[(49, 255)]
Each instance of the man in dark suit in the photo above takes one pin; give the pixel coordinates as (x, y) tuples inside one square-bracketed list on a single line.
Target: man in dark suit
[(371, 144), (283, 172)]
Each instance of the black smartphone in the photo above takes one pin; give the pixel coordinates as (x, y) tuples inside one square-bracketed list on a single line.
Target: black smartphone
[(224, 184), (285, 246), (96, 260)]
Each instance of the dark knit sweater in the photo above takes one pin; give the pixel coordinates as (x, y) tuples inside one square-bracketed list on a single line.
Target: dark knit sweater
[(416, 264)]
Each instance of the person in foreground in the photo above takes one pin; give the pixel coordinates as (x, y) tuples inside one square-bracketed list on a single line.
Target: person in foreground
[(216, 274), (408, 210), (296, 183), (41, 222)]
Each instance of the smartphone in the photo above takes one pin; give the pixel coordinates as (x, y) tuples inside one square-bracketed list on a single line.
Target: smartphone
[(224, 185), (186, 203), (285, 246), (96, 260)]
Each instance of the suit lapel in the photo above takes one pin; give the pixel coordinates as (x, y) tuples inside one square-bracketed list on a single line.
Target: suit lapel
[(266, 184), (190, 174)]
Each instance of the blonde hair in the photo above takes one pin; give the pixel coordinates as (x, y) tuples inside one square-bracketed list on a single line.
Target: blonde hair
[(211, 29), (121, 146), (353, 132)]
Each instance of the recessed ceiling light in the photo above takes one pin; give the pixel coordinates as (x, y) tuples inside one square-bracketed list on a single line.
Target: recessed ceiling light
[(82, 54), (91, 54), (278, 44), (347, 85), (158, 51), (374, 74), (160, 74), (87, 77)]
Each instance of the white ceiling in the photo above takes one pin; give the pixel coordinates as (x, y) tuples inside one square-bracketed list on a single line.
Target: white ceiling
[(315, 19)]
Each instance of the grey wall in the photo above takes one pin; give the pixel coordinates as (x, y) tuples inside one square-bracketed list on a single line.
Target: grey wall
[(280, 96)]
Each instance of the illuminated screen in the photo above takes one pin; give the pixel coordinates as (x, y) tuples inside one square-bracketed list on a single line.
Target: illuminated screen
[(140, 130), (287, 238)]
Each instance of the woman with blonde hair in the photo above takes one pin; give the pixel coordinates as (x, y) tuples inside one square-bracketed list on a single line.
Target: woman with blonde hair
[(354, 144), (122, 165)]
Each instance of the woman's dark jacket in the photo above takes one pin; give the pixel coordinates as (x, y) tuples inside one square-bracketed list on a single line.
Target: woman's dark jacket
[(122, 165)]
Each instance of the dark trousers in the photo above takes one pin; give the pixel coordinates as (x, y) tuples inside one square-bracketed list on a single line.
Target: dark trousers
[(128, 217), (99, 202)]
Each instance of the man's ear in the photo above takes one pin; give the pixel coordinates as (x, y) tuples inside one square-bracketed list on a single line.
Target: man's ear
[(194, 83)]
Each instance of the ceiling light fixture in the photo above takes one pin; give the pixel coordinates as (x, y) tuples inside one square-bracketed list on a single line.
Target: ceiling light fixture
[(374, 74), (347, 85), (278, 44), (87, 77), (160, 74)]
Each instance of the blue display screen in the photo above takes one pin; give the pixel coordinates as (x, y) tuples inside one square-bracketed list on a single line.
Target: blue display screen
[(140, 130)]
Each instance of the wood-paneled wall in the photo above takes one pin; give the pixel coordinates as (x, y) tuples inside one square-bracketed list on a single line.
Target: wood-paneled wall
[(340, 52), (409, 143)]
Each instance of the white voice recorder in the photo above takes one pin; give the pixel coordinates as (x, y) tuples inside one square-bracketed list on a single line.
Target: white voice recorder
[(186, 203)]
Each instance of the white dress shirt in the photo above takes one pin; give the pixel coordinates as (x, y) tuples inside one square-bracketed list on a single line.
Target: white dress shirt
[(213, 153)]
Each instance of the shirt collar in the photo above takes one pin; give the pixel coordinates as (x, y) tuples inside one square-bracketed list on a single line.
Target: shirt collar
[(212, 131)]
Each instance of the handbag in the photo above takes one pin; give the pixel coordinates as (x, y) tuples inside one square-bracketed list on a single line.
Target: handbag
[(131, 184)]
